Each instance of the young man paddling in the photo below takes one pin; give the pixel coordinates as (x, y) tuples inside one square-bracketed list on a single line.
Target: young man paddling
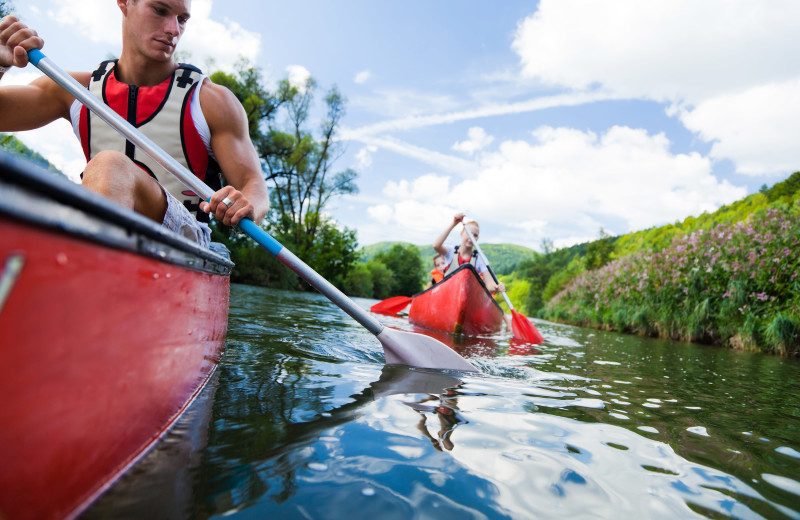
[(202, 125), (465, 252)]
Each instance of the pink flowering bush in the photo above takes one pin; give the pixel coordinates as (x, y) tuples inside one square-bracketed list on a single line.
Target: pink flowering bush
[(733, 284)]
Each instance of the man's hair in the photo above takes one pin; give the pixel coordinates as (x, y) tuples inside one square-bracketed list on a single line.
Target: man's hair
[(472, 222)]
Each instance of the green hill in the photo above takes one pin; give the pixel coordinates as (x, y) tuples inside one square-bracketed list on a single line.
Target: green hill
[(503, 257)]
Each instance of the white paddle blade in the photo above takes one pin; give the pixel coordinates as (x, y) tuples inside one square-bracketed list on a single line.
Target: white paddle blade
[(418, 350)]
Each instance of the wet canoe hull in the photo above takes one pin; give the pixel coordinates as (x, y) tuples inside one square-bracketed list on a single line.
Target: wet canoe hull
[(459, 304), (102, 346)]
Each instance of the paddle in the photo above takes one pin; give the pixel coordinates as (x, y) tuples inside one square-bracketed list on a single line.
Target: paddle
[(521, 326), (391, 306), (398, 346)]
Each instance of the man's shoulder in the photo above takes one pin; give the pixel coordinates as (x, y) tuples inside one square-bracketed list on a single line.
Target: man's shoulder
[(219, 105)]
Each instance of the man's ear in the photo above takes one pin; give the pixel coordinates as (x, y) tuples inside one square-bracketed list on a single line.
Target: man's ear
[(123, 6)]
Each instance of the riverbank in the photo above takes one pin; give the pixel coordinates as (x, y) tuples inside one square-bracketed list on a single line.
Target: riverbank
[(734, 285)]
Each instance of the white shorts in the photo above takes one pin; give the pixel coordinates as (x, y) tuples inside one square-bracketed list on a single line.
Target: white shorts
[(179, 220)]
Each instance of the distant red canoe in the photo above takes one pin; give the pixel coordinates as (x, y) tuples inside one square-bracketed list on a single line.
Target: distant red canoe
[(459, 304), (109, 327)]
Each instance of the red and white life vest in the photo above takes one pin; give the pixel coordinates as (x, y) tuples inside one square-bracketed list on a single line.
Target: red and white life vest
[(457, 260), (162, 113)]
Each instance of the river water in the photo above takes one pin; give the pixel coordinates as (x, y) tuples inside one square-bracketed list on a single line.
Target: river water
[(303, 420)]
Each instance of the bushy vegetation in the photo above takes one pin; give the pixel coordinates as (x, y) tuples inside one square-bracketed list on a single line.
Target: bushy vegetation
[(396, 272), (734, 284)]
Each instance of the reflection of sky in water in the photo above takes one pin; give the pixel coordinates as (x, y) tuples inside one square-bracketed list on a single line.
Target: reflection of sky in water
[(308, 423)]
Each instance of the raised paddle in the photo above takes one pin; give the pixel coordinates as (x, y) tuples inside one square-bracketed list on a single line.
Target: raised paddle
[(398, 346), (520, 325), (391, 306)]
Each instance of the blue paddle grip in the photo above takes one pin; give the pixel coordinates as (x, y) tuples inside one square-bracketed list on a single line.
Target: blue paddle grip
[(35, 56), (260, 236)]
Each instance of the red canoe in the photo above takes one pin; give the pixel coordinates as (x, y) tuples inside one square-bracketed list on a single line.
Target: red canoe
[(109, 327), (459, 304)]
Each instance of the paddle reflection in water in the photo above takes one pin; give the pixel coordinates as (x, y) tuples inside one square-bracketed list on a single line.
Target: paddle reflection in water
[(307, 425)]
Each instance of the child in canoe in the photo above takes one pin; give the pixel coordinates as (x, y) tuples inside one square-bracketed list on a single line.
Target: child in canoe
[(465, 251), (437, 273)]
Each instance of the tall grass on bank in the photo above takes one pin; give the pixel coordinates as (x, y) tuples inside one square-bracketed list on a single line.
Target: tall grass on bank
[(735, 285)]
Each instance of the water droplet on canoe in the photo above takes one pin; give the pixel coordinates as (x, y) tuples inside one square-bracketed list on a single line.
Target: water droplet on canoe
[(61, 259)]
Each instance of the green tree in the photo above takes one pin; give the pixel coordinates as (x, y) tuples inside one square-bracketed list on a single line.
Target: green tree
[(5, 8), (300, 165), (406, 266), (299, 168), (598, 253), (359, 281), (382, 280), (333, 252)]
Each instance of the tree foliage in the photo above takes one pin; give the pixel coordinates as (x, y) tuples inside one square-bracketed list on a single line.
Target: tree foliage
[(298, 166), (406, 267), (6, 8)]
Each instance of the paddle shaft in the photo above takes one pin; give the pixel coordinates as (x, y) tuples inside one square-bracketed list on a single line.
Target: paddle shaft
[(486, 261), (169, 163)]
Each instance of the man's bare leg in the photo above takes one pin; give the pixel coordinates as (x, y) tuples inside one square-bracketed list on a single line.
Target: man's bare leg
[(116, 177)]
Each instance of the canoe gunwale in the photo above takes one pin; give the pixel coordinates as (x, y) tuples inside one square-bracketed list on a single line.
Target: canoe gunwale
[(463, 267), (46, 200)]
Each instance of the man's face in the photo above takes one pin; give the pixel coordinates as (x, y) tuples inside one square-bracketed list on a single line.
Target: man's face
[(465, 241), (154, 27)]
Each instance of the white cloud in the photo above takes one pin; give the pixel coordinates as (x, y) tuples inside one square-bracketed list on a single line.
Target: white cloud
[(692, 54), (362, 77), (478, 140), (436, 116), (97, 20), (425, 188), (58, 144), (364, 156), (229, 43), (298, 76), (760, 127), (563, 183), (438, 160), (664, 49), (401, 103), (56, 141), (382, 213)]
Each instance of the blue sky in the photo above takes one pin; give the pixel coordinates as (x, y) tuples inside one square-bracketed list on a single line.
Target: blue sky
[(540, 120)]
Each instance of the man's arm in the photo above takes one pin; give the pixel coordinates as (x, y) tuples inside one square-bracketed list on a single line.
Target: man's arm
[(42, 101), (438, 244), (230, 141)]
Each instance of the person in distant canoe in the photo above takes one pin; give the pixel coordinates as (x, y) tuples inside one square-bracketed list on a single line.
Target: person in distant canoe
[(465, 252), (202, 125), (437, 273)]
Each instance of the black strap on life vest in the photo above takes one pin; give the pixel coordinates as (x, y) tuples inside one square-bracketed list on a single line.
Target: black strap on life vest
[(457, 258)]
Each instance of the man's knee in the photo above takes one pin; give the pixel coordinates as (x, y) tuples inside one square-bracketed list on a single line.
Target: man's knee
[(106, 170)]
